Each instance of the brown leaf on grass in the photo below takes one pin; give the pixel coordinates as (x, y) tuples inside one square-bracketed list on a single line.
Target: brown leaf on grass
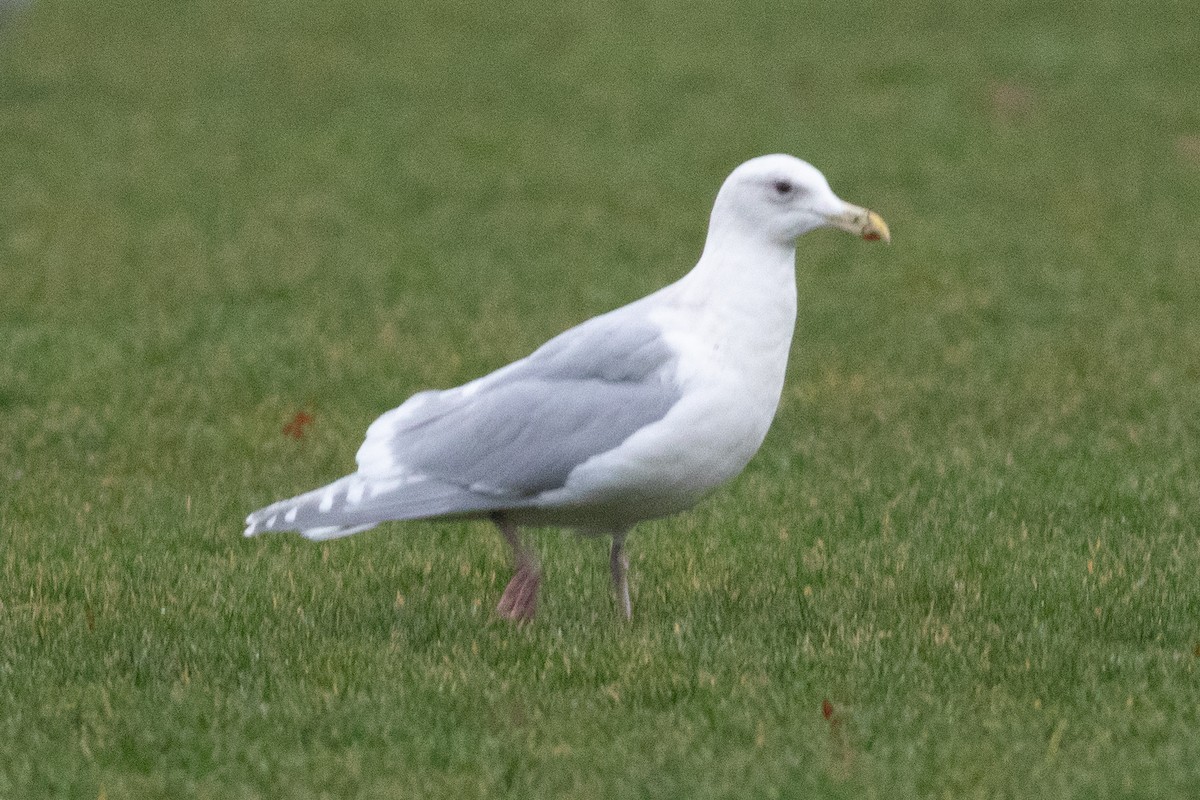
[(295, 428), (1187, 147), (1010, 102)]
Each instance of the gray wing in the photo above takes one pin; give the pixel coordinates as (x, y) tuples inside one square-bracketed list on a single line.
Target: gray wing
[(520, 431), (497, 442)]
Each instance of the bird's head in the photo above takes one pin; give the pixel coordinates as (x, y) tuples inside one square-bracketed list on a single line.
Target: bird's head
[(783, 198)]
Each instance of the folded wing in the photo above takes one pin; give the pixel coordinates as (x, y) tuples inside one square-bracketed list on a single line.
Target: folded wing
[(498, 442)]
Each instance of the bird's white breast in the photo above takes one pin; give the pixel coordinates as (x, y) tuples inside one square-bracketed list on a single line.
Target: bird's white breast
[(731, 356)]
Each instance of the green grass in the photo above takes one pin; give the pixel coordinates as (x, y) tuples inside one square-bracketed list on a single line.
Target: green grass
[(972, 529)]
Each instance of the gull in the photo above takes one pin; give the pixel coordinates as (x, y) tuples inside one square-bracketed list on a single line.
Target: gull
[(632, 415)]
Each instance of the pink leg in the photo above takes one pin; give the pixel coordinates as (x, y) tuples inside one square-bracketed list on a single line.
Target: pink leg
[(519, 601)]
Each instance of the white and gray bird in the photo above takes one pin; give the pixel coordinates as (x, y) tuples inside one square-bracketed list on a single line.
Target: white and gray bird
[(632, 415)]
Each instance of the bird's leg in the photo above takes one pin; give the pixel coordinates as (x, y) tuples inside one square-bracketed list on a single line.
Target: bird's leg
[(519, 601), (618, 562)]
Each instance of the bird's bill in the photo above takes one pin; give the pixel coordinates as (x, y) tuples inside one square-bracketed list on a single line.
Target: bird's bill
[(861, 222)]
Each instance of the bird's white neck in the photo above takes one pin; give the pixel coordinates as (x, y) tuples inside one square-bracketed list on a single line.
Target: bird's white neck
[(745, 276), (738, 305)]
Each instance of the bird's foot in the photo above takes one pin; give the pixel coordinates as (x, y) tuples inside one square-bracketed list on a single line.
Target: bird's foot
[(519, 601)]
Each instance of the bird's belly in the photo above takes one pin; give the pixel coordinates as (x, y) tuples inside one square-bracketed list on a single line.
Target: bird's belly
[(667, 467)]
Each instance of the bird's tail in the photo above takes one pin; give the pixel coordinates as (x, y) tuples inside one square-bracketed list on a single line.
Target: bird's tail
[(357, 503), (314, 514)]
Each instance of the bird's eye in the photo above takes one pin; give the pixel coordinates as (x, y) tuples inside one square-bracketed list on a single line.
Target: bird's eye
[(783, 188)]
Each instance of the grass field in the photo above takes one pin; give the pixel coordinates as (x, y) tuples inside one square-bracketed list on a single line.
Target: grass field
[(964, 564)]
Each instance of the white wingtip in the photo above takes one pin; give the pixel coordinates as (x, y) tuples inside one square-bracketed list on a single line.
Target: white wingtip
[(328, 532), (326, 501)]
